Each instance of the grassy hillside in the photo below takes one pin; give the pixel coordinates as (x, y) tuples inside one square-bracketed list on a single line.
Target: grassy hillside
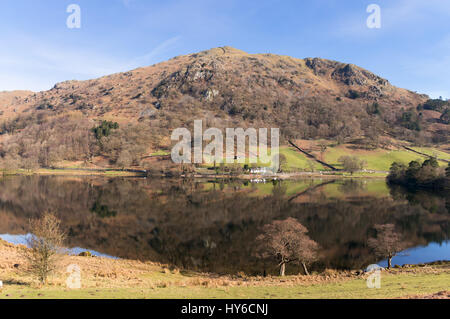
[(379, 160), (433, 152), (297, 161), (376, 159)]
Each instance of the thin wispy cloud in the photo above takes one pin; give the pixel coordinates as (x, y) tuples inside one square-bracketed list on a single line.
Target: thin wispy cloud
[(152, 56), (411, 48), (47, 60)]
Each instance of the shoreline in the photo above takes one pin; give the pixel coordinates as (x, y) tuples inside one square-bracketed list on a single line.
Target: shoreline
[(113, 172)]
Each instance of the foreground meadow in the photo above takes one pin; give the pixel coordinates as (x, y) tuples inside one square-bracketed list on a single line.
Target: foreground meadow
[(126, 279)]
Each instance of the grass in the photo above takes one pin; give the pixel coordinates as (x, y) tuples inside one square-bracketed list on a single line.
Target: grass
[(377, 160), (161, 153), (433, 152), (104, 278), (297, 161), (392, 286)]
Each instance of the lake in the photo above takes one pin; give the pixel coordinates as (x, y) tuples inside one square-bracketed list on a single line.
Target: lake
[(211, 225)]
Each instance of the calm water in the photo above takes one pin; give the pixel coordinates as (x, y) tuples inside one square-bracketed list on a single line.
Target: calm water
[(210, 226)]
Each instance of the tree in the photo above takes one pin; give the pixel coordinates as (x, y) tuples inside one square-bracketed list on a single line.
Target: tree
[(397, 172), (426, 175), (445, 116), (447, 170), (429, 171), (387, 243), (9, 163), (44, 245), (431, 162), (352, 94), (413, 170), (323, 148), (125, 159), (311, 165), (410, 120), (287, 241), (373, 109), (30, 163), (283, 163), (104, 129), (435, 105), (351, 164), (235, 169)]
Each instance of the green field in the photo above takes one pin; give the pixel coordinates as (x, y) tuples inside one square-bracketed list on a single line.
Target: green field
[(392, 286), (297, 161), (377, 160), (433, 152)]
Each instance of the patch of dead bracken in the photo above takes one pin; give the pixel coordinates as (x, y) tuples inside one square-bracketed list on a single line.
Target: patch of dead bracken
[(438, 295), (100, 272), (105, 272)]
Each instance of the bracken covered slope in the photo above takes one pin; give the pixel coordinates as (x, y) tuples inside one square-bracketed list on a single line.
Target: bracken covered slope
[(224, 77), (226, 87)]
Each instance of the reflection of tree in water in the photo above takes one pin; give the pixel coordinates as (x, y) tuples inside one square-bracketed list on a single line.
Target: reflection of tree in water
[(211, 227), (429, 212), (102, 211), (352, 186)]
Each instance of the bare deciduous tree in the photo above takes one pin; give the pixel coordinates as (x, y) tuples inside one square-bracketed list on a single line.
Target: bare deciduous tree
[(352, 164), (124, 160), (387, 243), (282, 163), (288, 242), (311, 165), (323, 148), (44, 245)]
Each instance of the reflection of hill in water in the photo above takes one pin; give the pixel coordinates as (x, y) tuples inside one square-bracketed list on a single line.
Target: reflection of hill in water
[(212, 226)]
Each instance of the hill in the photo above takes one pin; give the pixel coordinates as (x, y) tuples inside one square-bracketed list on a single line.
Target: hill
[(8, 101), (308, 98)]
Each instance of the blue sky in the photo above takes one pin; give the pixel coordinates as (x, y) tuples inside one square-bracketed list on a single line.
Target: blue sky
[(411, 49)]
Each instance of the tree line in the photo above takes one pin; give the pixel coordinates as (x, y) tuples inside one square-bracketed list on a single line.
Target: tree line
[(416, 175), (75, 138)]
